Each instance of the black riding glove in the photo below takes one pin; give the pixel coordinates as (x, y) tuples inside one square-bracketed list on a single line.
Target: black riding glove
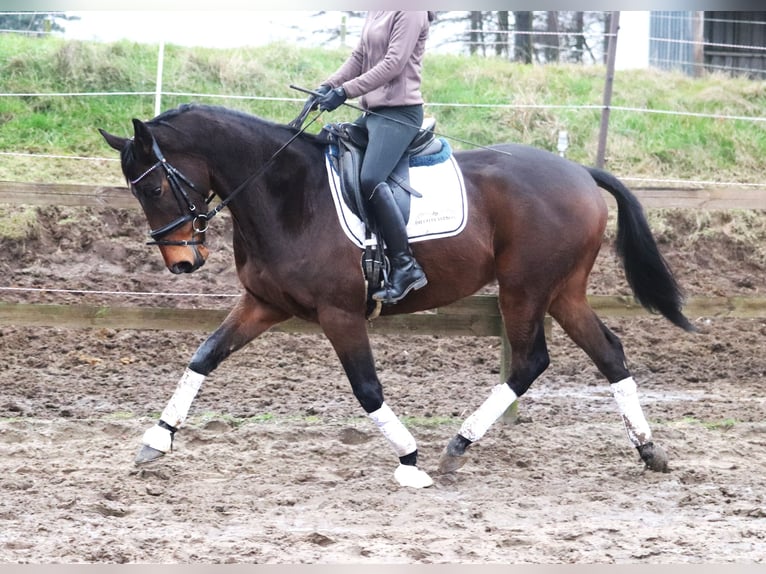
[(332, 99), (314, 100)]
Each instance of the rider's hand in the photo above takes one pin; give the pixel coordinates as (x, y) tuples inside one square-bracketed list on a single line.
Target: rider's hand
[(332, 99), (321, 90)]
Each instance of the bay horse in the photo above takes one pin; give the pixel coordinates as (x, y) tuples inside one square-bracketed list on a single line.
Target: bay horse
[(535, 224)]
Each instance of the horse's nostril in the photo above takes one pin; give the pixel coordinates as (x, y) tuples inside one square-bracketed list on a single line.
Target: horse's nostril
[(182, 267)]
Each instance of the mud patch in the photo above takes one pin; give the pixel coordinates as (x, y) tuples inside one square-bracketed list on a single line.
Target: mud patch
[(279, 465)]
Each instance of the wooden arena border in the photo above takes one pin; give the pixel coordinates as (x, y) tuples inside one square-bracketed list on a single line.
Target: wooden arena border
[(473, 316), (476, 316), (109, 196)]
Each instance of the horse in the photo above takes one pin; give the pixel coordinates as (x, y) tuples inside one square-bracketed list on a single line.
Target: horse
[(534, 226)]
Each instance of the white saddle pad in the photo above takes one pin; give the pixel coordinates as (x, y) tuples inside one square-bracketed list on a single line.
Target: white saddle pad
[(441, 212)]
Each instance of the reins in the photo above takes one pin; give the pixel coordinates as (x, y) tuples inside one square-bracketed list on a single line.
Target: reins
[(295, 122), (224, 202), (201, 221)]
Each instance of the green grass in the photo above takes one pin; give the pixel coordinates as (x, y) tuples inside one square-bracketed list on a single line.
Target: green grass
[(640, 144), (18, 224)]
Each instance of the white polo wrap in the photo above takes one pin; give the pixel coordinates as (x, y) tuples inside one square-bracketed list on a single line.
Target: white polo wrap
[(178, 407), (158, 438), (478, 423), (626, 395), (393, 429)]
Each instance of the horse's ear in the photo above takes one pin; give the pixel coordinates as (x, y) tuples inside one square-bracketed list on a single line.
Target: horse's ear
[(115, 142), (143, 138)]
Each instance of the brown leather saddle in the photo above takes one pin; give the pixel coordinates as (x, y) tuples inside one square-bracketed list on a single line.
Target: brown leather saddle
[(348, 142)]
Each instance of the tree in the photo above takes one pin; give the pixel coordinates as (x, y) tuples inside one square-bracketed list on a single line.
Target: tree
[(34, 22), (551, 39), (523, 41), (578, 29), (542, 36), (477, 36), (501, 37)]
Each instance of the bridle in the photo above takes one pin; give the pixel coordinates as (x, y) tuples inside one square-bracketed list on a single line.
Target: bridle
[(175, 180), (189, 213)]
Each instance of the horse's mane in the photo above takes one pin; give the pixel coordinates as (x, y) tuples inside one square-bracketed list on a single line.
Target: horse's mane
[(243, 118)]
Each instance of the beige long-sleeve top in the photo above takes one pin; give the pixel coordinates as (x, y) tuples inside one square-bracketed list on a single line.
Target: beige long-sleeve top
[(385, 67)]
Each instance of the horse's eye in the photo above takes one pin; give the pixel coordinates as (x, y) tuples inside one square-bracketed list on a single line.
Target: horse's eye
[(154, 192)]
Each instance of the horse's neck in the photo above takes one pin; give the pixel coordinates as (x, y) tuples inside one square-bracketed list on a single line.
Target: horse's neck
[(281, 199), (253, 160)]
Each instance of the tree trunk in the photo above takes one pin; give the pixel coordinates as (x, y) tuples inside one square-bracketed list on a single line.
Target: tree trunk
[(579, 24), (523, 42), (501, 38), (552, 50), (477, 35)]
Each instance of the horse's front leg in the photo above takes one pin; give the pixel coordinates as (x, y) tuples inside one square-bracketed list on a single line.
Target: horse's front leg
[(249, 318), (348, 335)]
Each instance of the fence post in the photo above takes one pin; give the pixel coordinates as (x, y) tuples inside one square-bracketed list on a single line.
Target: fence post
[(698, 32), (158, 88), (614, 26)]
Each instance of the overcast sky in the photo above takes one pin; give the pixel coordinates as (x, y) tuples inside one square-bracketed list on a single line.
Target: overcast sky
[(219, 29), (230, 28)]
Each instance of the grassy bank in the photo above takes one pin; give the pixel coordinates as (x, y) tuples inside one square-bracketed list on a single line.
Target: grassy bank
[(640, 144)]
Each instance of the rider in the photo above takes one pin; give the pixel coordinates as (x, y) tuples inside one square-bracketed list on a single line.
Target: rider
[(385, 71)]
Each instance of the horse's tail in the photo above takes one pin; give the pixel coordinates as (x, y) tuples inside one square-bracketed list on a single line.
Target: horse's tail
[(647, 272)]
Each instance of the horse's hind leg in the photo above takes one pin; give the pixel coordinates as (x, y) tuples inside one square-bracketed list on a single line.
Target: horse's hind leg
[(248, 319), (579, 321), (529, 358)]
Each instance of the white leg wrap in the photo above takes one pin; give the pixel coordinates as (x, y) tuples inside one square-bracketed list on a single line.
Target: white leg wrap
[(158, 438), (393, 429), (178, 406), (626, 395), (408, 475), (478, 423)]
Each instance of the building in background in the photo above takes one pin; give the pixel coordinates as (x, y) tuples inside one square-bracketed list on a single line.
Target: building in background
[(633, 40), (695, 42)]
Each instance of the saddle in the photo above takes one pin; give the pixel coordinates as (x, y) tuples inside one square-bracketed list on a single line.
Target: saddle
[(348, 142)]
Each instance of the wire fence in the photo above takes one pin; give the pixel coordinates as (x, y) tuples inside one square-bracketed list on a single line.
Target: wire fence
[(466, 39), (592, 107), (667, 29)]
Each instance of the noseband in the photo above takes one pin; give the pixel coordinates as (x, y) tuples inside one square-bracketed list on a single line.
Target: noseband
[(176, 179)]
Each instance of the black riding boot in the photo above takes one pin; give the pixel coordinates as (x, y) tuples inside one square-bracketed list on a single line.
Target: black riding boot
[(406, 274)]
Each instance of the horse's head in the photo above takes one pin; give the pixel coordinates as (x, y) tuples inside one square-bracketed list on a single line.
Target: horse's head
[(174, 196)]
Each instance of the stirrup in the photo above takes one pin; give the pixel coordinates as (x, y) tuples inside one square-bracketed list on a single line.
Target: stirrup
[(384, 294)]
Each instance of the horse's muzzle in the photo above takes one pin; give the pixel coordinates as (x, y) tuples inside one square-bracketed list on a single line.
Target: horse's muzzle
[(186, 259), (183, 267)]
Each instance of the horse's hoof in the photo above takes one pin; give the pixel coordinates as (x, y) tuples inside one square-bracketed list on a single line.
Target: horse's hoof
[(412, 476), (148, 454), (655, 458), (453, 457), (449, 464)]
